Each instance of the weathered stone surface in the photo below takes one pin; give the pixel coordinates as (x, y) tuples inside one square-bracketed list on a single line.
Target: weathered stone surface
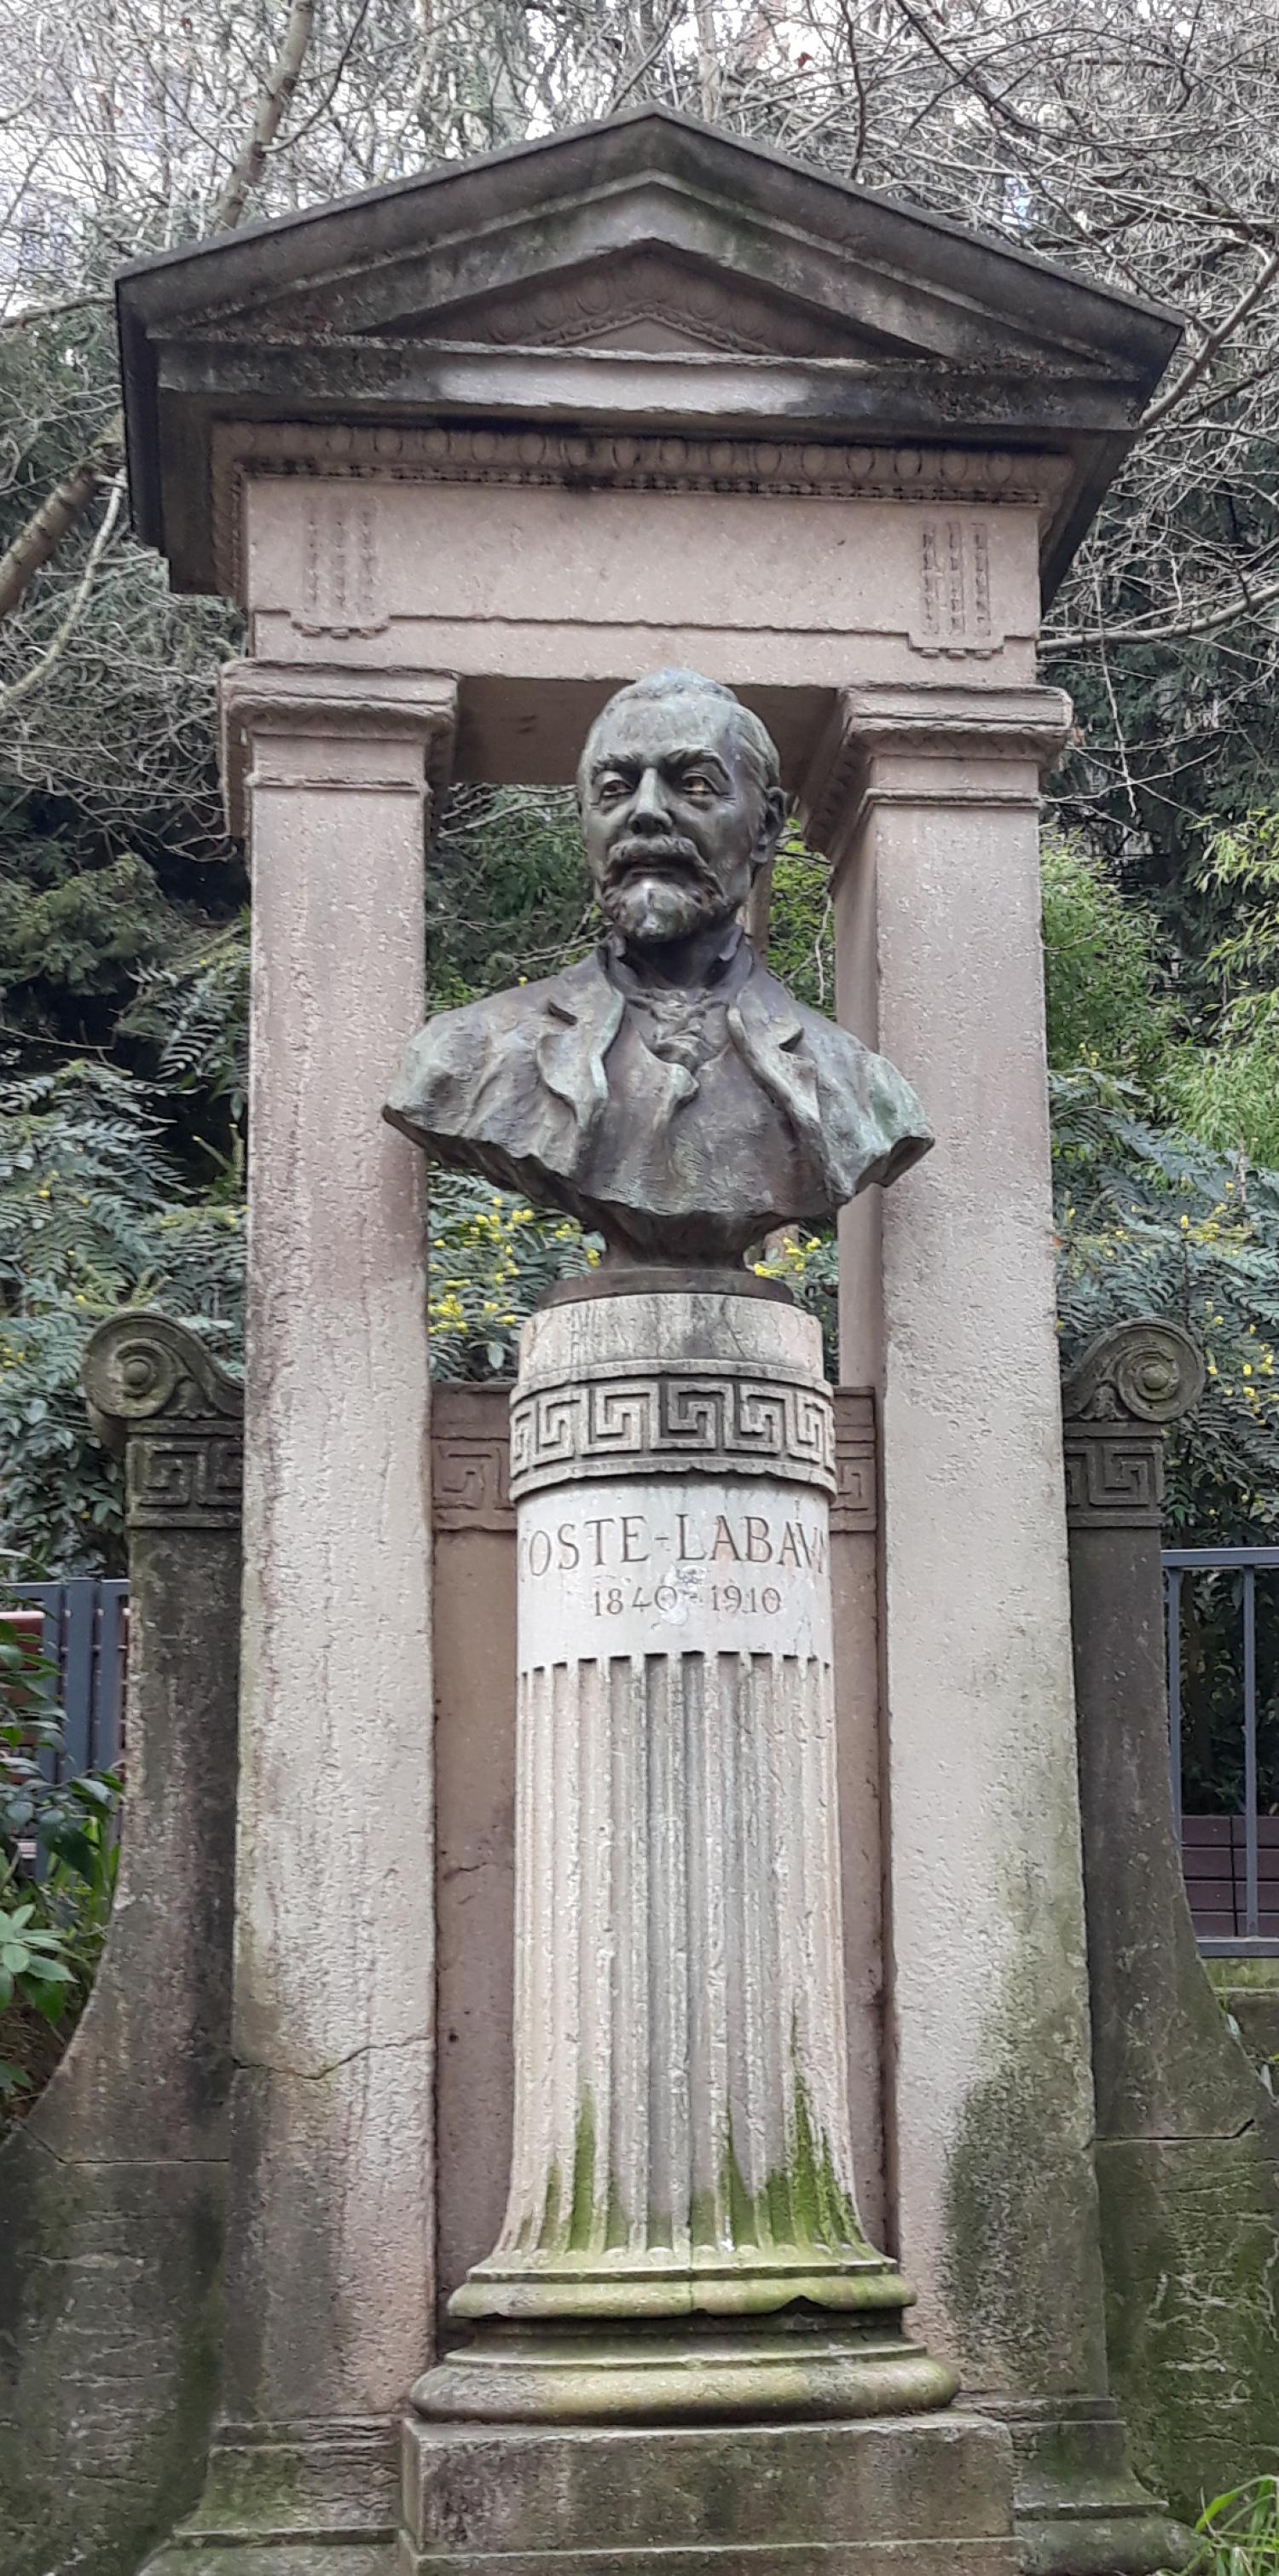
[(112, 2195), (891, 2498), (668, 276), (329, 2291), (1187, 2137), (1248, 1991), (281, 2499), (926, 800), (682, 2148), (475, 1794)]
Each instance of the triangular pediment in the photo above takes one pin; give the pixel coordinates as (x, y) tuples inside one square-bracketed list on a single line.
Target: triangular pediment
[(647, 240), (649, 299), (648, 224)]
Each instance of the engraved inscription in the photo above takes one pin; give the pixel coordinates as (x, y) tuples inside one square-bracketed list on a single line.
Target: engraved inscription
[(663, 1568)]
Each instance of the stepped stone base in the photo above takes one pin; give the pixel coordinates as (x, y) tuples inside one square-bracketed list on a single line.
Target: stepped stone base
[(314, 2499), (1079, 2511), (921, 2496)]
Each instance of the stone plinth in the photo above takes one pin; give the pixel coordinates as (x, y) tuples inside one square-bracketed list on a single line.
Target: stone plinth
[(910, 2496), (682, 2230)]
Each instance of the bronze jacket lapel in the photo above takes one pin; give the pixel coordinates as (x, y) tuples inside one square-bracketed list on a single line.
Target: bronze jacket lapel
[(583, 1016), (767, 1032)]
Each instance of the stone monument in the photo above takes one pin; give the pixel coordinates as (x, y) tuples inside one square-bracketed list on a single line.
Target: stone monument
[(682, 2161), (682, 2240), (469, 450)]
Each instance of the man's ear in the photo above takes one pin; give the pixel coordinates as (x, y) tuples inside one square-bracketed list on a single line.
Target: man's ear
[(771, 825)]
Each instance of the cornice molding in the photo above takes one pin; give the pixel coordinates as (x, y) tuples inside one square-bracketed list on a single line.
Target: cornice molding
[(309, 703), (943, 723), (612, 461)]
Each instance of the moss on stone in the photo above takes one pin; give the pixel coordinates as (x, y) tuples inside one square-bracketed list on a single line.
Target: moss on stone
[(1190, 2234), (1021, 2267)]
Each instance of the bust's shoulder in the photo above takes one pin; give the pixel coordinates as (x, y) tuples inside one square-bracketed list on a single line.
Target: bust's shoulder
[(494, 1020), (490, 1012), (790, 1018)]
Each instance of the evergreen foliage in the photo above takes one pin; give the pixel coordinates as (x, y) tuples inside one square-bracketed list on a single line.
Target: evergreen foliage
[(95, 1213), (1153, 1222)]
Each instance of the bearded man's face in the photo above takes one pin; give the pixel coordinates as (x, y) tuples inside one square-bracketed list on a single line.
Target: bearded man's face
[(673, 817)]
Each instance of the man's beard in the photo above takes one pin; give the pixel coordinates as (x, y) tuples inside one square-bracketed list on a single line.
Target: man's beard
[(677, 898)]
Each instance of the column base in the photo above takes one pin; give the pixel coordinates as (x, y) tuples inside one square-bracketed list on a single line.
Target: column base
[(594, 2374), (316, 2499), (1079, 2510), (876, 2498)]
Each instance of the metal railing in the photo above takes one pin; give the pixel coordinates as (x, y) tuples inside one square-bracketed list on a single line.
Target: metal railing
[(1231, 1861), (82, 1638), (1260, 1875)]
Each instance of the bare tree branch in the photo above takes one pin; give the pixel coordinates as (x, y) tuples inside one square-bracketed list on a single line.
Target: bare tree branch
[(60, 511), (1215, 340), (277, 90), (50, 312), (40, 670)]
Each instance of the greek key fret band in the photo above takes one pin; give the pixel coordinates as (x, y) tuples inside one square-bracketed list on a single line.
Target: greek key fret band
[(640, 1425)]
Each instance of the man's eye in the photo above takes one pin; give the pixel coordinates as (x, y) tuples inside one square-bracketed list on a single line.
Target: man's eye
[(609, 789), (696, 785)]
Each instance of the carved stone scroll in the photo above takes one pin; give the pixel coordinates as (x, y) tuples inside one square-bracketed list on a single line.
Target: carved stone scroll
[(1186, 2145), (1118, 1399), (156, 1394)]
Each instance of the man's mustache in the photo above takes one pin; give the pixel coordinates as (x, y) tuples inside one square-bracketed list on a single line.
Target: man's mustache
[(639, 851)]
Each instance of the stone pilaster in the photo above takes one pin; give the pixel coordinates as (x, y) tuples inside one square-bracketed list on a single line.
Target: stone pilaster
[(113, 2191), (926, 799), (682, 2152), (329, 2305), (1187, 2137)]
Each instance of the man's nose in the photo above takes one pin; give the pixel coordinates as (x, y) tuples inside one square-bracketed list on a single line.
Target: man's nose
[(649, 809)]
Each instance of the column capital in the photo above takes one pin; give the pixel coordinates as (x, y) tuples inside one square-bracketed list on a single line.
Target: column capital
[(1126, 1390), (328, 709), (903, 743), (158, 1397)]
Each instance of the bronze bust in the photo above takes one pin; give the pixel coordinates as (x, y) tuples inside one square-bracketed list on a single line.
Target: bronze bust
[(666, 1089)]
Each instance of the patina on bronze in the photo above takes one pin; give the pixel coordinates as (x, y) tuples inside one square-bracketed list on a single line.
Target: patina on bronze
[(667, 1089)]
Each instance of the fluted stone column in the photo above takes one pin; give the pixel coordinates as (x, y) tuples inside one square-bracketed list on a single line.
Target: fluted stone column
[(682, 2187)]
